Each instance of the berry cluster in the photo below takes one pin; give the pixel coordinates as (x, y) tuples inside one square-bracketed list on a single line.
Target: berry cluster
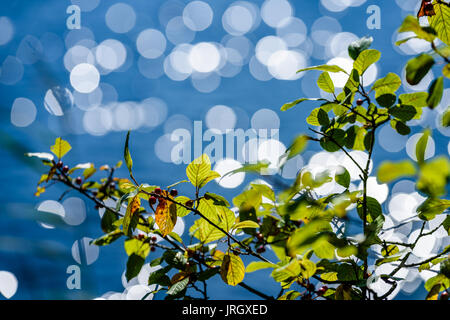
[(158, 192)]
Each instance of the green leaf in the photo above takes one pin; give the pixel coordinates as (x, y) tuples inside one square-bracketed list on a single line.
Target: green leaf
[(434, 176), (258, 265), (446, 224), (365, 60), (254, 168), (446, 71), (400, 127), (416, 99), (108, 218), (292, 104), (422, 145), (127, 155), (403, 112), (431, 207), (441, 21), (217, 199), (108, 238), (60, 148), (322, 117), (245, 224), (411, 24), (373, 209), (325, 67), (178, 287), (446, 118), (358, 46), (138, 247), (298, 146), (418, 67), (390, 250), (221, 216), (312, 118), (386, 100), (182, 211), (390, 171), (199, 171), (290, 270), (343, 177), (134, 266), (232, 269), (290, 295), (307, 268), (325, 83), (435, 92), (389, 84), (160, 277)]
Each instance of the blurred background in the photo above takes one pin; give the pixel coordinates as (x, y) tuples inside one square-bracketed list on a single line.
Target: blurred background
[(156, 66)]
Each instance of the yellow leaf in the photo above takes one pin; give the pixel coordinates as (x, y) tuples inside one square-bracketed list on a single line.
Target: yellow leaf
[(166, 215), (219, 215), (246, 224), (434, 292), (199, 171), (39, 191), (60, 148), (217, 259), (133, 206), (232, 269)]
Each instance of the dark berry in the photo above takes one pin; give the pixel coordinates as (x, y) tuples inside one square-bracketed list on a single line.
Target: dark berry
[(152, 249), (322, 290), (78, 180), (59, 164), (359, 102), (152, 200), (190, 203), (154, 239), (260, 249), (260, 236), (112, 185), (65, 169), (158, 191), (444, 295), (173, 193)]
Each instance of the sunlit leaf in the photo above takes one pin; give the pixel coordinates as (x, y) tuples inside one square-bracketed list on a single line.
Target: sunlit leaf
[(441, 21), (435, 93), (133, 207), (365, 60), (127, 155), (60, 148), (232, 269), (390, 171), (166, 215), (325, 83), (418, 67), (328, 68)]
